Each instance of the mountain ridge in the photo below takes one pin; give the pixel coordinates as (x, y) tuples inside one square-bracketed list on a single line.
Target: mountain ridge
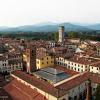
[(51, 27)]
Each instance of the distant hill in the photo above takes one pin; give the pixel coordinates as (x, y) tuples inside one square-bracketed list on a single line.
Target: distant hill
[(51, 27), (94, 27)]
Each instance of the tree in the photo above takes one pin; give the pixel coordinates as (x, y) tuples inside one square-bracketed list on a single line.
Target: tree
[(55, 36), (73, 35), (97, 95)]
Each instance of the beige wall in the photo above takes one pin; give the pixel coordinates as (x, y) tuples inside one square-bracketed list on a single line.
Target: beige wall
[(71, 65), (95, 69)]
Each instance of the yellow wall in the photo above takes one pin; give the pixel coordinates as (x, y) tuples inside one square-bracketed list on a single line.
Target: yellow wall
[(45, 62), (24, 57), (83, 46), (42, 63)]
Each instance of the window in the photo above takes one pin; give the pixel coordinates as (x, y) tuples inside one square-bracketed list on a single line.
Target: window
[(51, 61), (42, 58), (47, 62), (93, 89), (82, 66), (42, 63), (47, 58), (69, 67), (81, 70), (32, 51), (75, 68)]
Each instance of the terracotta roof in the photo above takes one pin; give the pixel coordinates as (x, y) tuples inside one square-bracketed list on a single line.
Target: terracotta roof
[(19, 91), (95, 78), (82, 60), (61, 89), (43, 85), (74, 82), (98, 45), (96, 64), (2, 57), (89, 52)]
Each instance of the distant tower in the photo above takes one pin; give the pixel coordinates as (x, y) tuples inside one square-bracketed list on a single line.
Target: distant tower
[(31, 59), (61, 33)]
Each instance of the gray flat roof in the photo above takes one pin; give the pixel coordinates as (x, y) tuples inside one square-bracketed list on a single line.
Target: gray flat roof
[(52, 75), (52, 70)]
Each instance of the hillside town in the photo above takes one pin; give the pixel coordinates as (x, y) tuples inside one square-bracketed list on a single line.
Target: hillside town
[(67, 69)]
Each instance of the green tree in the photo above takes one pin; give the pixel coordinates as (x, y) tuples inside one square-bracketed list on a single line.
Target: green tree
[(97, 95), (73, 35), (55, 36)]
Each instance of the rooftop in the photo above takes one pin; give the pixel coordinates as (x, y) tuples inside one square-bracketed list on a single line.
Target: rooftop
[(52, 70), (52, 75), (48, 88), (20, 91), (43, 85), (83, 60)]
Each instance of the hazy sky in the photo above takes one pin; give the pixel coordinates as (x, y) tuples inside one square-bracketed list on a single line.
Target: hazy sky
[(27, 12)]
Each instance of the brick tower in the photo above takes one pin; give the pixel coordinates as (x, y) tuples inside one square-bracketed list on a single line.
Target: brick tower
[(31, 59)]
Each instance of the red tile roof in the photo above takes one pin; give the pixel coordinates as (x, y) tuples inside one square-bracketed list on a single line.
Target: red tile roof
[(83, 60), (96, 64), (95, 78), (61, 89), (74, 82), (98, 45), (41, 84), (19, 91)]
